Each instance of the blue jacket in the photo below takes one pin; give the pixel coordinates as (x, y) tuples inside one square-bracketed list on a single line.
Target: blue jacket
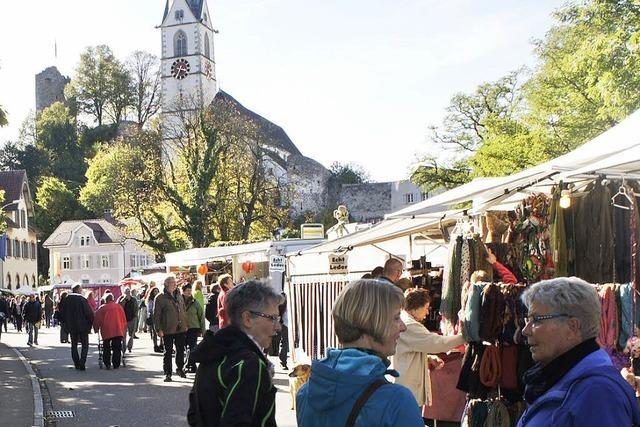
[(592, 393), (336, 383)]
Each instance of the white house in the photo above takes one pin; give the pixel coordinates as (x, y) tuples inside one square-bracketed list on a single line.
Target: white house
[(93, 251), (20, 266)]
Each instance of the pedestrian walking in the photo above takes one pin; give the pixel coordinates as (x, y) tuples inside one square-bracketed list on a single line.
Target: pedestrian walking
[(48, 310), (170, 320), (284, 332), (64, 333), (4, 312), (195, 319), (211, 310), (111, 322), (157, 341), (32, 315), (234, 382), (91, 299), (350, 384), (130, 307), (77, 316), (225, 281), (17, 313), (142, 312)]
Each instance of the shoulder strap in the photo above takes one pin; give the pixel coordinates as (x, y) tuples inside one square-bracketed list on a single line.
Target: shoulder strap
[(366, 394)]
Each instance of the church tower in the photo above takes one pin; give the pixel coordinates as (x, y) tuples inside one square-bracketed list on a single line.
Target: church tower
[(188, 66)]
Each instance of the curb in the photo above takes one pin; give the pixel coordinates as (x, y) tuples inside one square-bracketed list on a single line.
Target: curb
[(38, 406)]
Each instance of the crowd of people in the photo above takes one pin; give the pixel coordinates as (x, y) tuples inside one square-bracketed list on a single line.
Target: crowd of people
[(381, 335)]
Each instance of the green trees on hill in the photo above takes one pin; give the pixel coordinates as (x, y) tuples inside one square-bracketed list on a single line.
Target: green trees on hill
[(587, 79)]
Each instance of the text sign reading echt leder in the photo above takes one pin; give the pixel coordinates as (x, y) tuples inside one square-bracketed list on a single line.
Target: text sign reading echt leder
[(338, 264)]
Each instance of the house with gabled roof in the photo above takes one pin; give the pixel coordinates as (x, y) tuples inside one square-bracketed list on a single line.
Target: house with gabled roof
[(20, 266), (94, 251)]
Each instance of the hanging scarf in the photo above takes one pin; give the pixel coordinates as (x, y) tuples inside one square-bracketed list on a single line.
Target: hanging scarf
[(540, 378)]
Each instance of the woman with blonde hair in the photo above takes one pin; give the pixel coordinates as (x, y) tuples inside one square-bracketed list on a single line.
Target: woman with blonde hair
[(348, 387)]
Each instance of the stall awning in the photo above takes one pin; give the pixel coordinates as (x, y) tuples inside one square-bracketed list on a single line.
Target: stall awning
[(388, 229), (616, 142), (201, 255)]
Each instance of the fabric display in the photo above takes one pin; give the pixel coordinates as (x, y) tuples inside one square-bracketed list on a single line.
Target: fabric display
[(492, 413), (532, 239), (466, 255), (495, 226), (493, 318)]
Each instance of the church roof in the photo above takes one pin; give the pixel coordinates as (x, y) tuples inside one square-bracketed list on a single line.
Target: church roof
[(277, 137), (196, 7)]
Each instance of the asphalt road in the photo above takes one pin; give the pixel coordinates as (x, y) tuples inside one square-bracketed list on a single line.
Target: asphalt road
[(131, 396)]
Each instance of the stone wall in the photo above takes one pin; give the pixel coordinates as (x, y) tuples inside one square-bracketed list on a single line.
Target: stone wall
[(366, 202), (311, 185), (49, 88)]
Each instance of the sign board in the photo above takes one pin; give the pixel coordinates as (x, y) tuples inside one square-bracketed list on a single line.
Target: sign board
[(312, 231), (277, 263), (338, 264)]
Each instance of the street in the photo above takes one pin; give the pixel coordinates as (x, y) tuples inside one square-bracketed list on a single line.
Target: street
[(131, 396)]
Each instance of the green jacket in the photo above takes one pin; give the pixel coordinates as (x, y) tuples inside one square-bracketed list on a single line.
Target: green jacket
[(169, 315), (194, 314)]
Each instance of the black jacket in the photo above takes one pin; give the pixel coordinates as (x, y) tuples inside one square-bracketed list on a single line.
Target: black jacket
[(4, 307), (130, 307), (32, 311), (76, 314), (233, 384), (211, 311)]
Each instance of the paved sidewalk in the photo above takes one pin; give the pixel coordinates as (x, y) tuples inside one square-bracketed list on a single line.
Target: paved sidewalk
[(16, 396)]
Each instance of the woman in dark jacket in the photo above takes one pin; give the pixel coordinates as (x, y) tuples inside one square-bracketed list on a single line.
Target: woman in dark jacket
[(48, 310), (64, 332)]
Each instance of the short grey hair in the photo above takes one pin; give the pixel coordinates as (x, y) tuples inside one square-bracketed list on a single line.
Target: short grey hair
[(571, 296), (251, 295)]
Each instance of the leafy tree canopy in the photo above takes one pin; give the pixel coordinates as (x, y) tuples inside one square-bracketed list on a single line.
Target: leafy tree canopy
[(349, 173)]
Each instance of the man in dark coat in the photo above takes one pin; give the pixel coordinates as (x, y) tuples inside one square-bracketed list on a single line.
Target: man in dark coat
[(4, 312), (130, 307), (78, 319), (32, 315)]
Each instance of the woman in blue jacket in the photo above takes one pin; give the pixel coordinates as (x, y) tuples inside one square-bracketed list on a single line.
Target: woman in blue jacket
[(366, 318), (573, 382)]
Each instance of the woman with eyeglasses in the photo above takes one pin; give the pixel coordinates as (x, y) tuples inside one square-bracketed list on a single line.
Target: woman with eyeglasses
[(233, 384), (573, 382), (348, 387)]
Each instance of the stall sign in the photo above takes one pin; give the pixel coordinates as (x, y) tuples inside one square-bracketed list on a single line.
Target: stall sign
[(276, 263), (312, 231), (338, 264)]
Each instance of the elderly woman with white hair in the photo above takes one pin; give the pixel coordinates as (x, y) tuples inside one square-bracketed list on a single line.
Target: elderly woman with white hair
[(573, 382)]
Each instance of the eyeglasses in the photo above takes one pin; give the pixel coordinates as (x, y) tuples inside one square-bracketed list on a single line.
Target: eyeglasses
[(274, 319), (537, 320)]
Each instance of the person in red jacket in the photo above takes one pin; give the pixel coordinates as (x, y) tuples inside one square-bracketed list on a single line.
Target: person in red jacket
[(225, 282), (112, 322), (506, 276)]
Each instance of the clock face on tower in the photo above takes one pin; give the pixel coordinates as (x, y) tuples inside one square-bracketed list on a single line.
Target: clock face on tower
[(180, 69)]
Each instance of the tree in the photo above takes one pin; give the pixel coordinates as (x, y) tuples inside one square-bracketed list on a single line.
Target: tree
[(55, 203), (100, 83), (588, 78), (3, 222), (349, 173), (144, 69), (3, 117)]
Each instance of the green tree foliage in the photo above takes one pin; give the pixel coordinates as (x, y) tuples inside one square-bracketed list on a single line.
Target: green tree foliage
[(349, 173), (3, 117), (587, 80), (3, 222), (102, 85), (55, 203)]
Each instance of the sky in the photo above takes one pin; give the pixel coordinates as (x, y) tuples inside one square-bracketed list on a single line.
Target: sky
[(348, 80)]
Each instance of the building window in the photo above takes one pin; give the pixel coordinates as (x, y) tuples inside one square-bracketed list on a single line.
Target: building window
[(179, 15), (8, 281), (207, 48), (180, 44), (85, 262), (84, 241), (408, 198), (25, 250), (85, 281), (33, 251), (104, 261), (23, 219), (9, 247), (26, 280), (17, 281), (66, 262), (106, 280), (33, 279), (424, 195), (16, 248)]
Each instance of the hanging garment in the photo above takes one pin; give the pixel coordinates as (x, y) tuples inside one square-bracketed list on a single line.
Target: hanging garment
[(471, 313), (509, 367), (558, 234), (491, 313), (490, 366), (451, 286), (608, 317)]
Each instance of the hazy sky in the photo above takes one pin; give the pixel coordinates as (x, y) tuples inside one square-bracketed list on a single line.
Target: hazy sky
[(348, 80)]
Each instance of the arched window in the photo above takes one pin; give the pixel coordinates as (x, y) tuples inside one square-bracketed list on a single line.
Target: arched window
[(180, 44), (33, 279), (26, 280), (17, 281), (8, 281), (207, 49)]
